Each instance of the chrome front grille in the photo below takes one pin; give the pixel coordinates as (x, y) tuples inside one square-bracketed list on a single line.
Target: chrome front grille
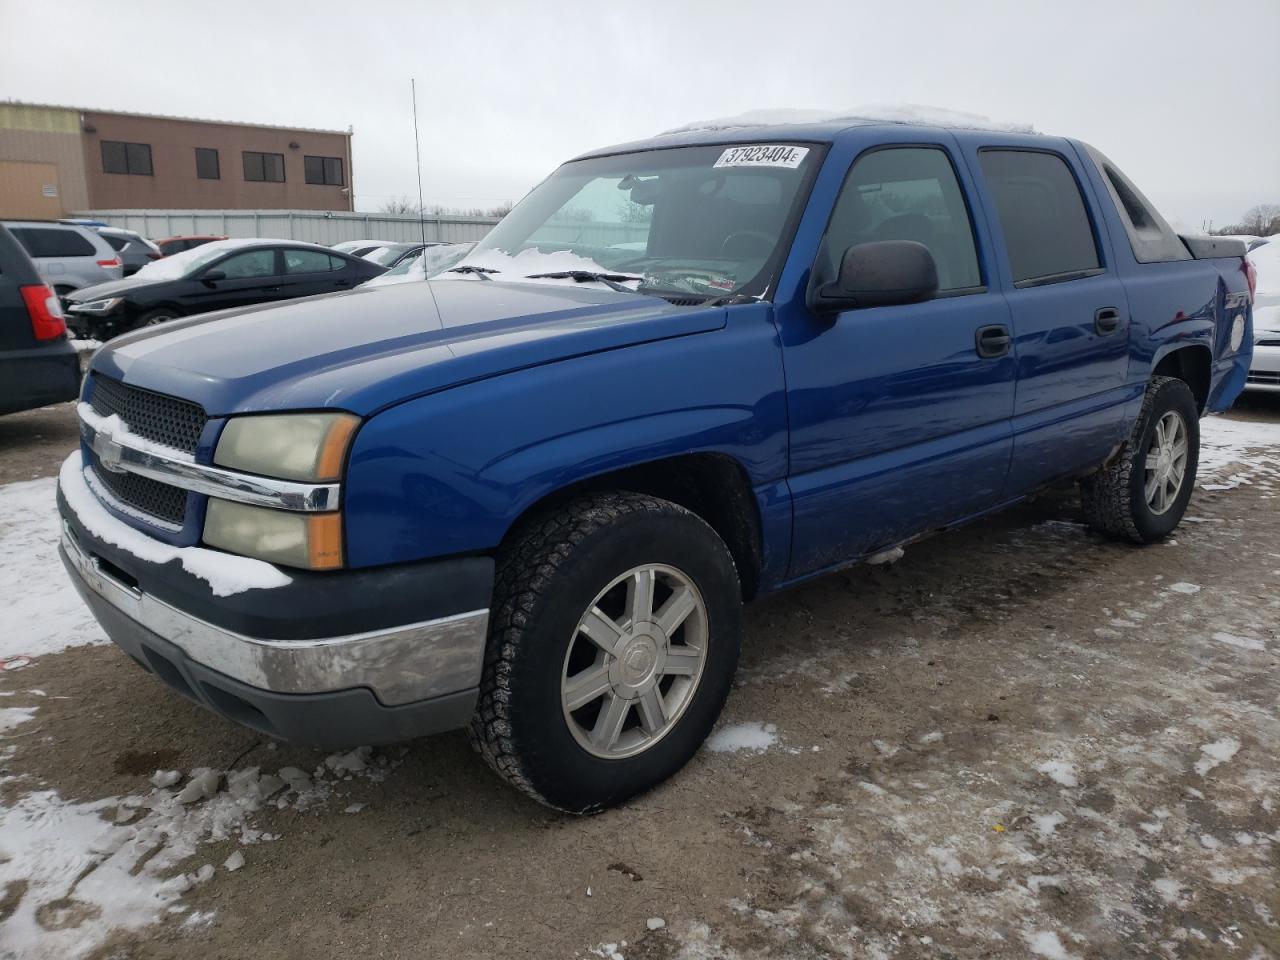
[(147, 496), (155, 416)]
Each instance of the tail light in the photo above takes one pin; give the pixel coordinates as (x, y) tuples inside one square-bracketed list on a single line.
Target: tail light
[(113, 262), (47, 322), (1251, 274)]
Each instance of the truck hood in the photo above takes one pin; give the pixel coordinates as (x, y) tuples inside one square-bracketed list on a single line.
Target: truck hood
[(367, 349)]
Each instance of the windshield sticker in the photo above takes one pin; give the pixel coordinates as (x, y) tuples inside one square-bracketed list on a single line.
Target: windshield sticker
[(763, 155)]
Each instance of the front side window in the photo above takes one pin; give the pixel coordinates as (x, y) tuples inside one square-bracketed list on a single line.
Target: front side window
[(252, 263), (684, 222), (1042, 214), (310, 261), (906, 193), (120, 157), (264, 167), (207, 167), (323, 170)]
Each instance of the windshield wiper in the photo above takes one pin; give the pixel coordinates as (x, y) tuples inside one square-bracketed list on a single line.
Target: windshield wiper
[(482, 272), (610, 280), (730, 300)]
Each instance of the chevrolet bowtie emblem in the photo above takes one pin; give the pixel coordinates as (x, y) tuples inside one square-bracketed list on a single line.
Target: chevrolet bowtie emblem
[(107, 451)]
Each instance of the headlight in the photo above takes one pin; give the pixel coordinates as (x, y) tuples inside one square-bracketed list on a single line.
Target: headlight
[(293, 446), (98, 306), (312, 541)]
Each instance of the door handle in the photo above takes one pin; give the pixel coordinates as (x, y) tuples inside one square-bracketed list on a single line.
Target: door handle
[(1106, 320), (993, 341)]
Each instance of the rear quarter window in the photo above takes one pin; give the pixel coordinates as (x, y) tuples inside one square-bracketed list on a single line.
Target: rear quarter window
[(1047, 231), (50, 242), (1150, 236)]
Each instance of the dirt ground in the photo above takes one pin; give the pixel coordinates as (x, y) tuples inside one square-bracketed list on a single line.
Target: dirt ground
[(1019, 740)]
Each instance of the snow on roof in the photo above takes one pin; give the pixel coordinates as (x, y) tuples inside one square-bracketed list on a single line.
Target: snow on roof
[(910, 113)]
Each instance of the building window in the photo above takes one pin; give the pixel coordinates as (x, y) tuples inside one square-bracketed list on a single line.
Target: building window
[(207, 164), (118, 157), (323, 170), (268, 167)]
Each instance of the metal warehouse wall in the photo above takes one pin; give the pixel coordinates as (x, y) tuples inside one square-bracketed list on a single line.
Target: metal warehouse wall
[(315, 227), (41, 161)]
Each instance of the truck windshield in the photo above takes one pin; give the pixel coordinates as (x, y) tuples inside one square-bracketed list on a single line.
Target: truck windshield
[(688, 221)]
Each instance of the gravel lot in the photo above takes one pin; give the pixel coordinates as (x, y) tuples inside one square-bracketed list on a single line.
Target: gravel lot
[(1020, 740)]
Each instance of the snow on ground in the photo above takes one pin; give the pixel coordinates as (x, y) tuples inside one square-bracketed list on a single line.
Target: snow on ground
[(43, 613), (756, 737), (1251, 445), (84, 870)]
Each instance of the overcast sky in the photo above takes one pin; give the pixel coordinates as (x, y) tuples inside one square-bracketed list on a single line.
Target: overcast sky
[(1184, 96)]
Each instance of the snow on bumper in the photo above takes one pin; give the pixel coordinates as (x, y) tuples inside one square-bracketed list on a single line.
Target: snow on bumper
[(379, 684)]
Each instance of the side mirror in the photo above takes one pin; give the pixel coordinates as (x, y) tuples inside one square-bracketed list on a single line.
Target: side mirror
[(210, 276), (880, 274)]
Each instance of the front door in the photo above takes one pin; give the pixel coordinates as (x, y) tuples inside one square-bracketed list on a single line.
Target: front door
[(899, 415), (250, 276)]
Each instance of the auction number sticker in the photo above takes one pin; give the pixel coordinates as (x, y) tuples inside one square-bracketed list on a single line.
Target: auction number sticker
[(763, 155)]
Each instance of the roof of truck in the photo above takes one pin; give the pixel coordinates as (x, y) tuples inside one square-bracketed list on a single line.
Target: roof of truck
[(814, 125)]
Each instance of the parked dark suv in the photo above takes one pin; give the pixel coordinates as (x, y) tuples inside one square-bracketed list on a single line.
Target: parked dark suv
[(37, 364), (226, 273)]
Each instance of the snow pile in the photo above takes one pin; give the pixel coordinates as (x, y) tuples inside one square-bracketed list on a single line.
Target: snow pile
[(756, 737), (43, 612), (908, 113), (1266, 309), (225, 573), (84, 870), (84, 346), (1223, 442)]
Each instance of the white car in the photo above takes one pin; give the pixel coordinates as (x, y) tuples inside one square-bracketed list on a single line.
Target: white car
[(1264, 371)]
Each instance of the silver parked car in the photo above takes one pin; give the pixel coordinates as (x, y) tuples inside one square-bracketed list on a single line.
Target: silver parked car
[(135, 250), (68, 256)]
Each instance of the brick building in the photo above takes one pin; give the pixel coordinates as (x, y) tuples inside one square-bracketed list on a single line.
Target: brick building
[(57, 160)]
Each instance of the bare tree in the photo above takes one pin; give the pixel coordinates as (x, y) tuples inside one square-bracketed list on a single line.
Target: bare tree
[(399, 206), (1262, 220)]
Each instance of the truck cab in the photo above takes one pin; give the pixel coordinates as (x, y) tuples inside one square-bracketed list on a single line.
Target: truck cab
[(529, 497)]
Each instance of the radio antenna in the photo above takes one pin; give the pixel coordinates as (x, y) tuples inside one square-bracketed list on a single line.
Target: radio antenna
[(417, 152)]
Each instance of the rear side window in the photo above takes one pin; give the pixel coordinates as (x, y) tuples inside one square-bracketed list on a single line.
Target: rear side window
[(310, 261), (117, 243), (1043, 216), (906, 193), (1150, 236), (49, 242)]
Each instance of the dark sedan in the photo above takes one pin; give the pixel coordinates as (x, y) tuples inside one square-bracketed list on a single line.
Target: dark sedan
[(228, 273)]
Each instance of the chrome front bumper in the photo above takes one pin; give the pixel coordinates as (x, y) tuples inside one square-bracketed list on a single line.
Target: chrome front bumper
[(1264, 370), (399, 665)]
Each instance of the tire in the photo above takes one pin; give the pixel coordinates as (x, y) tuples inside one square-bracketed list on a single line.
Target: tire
[(1116, 499), (153, 318), (555, 570)]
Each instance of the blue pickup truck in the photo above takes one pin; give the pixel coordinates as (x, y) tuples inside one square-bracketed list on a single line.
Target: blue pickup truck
[(529, 497)]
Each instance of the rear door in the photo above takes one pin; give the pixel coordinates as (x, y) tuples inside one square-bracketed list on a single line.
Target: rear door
[(899, 420), (1070, 314), (309, 272), (251, 276)]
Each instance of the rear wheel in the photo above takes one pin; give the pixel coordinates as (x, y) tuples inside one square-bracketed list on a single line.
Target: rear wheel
[(1143, 493), (613, 644)]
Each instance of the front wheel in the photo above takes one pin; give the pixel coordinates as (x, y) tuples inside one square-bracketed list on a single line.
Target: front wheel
[(153, 318), (612, 648), (1143, 492)]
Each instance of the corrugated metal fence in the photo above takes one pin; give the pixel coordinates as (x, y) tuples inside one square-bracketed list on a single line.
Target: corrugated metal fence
[(314, 226)]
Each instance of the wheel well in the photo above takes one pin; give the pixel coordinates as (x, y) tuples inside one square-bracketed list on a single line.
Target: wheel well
[(1189, 364), (713, 486)]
